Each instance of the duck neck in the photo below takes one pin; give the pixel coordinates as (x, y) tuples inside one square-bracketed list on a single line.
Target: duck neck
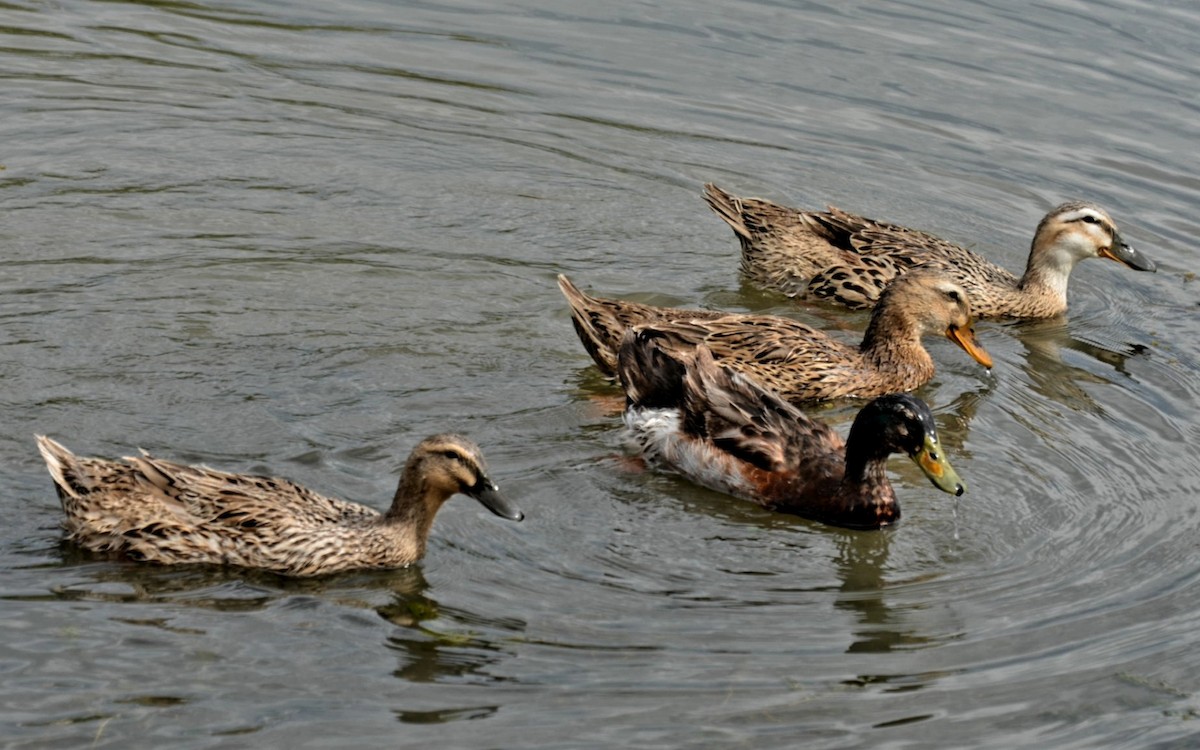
[(865, 492), (1046, 275), (413, 508), (893, 343)]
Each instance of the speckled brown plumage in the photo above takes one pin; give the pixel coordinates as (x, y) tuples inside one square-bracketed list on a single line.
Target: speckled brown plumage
[(722, 430), (147, 509), (850, 259), (798, 361)]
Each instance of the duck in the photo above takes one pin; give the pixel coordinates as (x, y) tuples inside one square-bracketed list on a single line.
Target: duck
[(849, 259), (801, 363), (720, 429), (150, 510)]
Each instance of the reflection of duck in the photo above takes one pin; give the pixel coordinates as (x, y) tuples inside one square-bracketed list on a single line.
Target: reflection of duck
[(1099, 358), (722, 430), (204, 587), (850, 259), (157, 511), (436, 642), (860, 562), (797, 361)]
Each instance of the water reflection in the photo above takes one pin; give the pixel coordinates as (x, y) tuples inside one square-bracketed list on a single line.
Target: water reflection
[(343, 241), (861, 561), (444, 715), (882, 627), (1051, 376), (207, 587), (428, 654), (443, 654), (222, 588)]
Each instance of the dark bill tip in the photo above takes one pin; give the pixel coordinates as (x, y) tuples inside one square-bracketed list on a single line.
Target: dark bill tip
[(488, 495), (1130, 256)]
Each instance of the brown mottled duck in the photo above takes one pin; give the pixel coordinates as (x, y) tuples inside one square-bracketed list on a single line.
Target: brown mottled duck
[(146, 509), (850, 259), (797, 361)]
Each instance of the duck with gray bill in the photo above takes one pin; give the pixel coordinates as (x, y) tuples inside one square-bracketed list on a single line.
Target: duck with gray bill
[(146, 509), (850, 259)]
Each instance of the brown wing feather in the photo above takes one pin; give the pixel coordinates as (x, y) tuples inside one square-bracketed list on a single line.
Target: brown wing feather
[(236, 500), (796, 360), (720, 405), (751, 422), (828, 254)]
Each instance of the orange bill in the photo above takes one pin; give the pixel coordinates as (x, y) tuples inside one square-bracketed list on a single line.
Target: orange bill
[(965, 337)]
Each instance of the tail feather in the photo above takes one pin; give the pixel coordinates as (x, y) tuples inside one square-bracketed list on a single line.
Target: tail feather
[(69, 475), (601, 323), (728, 207), (597, 330), (575, 296), (754, 220)]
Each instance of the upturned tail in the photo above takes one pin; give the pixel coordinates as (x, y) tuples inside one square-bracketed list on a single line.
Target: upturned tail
[(597, 327), (70, 477), (729, 208)]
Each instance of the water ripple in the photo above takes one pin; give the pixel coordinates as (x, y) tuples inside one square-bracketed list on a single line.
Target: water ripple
[(297, 239)]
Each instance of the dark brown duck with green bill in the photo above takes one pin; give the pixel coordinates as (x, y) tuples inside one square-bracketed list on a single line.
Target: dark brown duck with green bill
[(721, 429)]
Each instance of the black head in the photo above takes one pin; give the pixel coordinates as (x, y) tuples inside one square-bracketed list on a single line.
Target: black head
[(901, 423)]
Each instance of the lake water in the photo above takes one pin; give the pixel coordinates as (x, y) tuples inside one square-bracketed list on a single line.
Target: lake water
[(297, 237)]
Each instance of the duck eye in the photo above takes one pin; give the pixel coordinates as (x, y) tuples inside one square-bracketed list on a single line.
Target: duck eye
[(452, 455), (1088, 218), (954, 295)]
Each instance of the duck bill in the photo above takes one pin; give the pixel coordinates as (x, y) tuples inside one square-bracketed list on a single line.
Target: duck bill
[(1122, 253), (488, 495), (937, 468), (965, 337)]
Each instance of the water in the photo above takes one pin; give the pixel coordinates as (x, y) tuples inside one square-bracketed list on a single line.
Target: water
[(297, 237)]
